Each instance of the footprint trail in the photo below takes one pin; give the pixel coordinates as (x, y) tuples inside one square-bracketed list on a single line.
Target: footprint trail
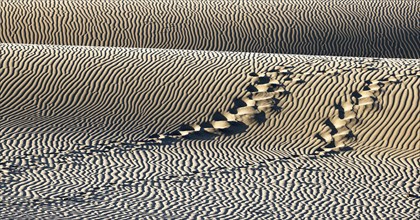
[(337, 133), (262, 99)]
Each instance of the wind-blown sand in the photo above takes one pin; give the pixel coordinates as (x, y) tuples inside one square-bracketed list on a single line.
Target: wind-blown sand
[(198, 109), (100, 132), (359, 28)]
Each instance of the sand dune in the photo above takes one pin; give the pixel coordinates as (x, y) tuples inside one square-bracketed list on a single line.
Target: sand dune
[(342, 28), (102, 132), (198, 109)]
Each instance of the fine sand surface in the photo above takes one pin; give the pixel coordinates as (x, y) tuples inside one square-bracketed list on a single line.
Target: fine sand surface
[(123, 133), (201, 109), (361, 28)]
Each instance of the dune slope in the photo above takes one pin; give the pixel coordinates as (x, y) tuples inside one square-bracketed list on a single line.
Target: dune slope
[(315, 136)]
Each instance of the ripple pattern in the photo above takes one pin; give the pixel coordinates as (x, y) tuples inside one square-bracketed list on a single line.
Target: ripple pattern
[(358, 28)]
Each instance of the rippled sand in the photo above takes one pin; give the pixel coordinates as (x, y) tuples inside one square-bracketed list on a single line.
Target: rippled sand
[(119, 110)]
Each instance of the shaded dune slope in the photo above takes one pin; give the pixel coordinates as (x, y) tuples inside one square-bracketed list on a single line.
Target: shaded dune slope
[(75, 122), (340, 28)]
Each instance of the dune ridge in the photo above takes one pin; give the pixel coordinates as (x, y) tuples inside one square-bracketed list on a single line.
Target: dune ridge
[(357, 28)]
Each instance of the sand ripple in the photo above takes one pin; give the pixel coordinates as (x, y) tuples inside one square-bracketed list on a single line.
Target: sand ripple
[(73, 118)]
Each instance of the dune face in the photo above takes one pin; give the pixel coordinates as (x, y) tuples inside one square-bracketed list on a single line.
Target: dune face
[(341, 28), (199, 109), (100, 132)]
